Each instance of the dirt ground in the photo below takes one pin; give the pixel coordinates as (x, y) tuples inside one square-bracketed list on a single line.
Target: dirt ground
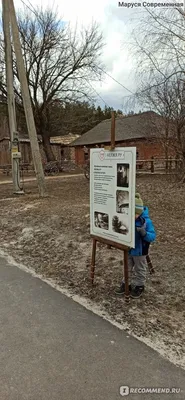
[(51, 235)]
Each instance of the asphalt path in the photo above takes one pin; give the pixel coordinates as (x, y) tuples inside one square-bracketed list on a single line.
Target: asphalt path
[(54, 349)]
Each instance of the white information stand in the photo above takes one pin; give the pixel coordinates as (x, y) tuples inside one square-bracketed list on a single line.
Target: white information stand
[(112, 195)]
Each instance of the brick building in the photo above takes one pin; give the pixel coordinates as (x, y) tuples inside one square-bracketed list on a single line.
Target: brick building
[(146, 131), (61, 147)]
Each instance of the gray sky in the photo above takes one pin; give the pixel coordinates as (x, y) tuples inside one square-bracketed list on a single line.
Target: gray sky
[(116, 24)]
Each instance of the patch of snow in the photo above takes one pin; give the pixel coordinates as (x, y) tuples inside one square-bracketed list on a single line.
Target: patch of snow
[(84, 245), (30, 206), (27, 233), (9, 199)]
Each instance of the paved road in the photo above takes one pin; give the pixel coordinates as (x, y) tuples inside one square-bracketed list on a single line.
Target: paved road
[(54, 349)]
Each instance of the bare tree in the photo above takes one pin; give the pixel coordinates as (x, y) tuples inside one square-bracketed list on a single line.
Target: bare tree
[(159, 98), (168, 100), (158, 44), (59, 62)]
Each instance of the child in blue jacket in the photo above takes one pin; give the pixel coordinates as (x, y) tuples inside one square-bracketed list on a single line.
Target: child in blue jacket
[(144, 235)]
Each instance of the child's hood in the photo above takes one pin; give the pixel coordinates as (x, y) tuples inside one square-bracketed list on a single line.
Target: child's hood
[(145, 213), (143, 217)]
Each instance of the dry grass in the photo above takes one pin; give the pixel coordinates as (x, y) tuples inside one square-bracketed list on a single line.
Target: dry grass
[(52, 236)]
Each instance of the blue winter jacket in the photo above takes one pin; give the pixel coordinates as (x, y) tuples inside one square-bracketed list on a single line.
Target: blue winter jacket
[(142, 243)]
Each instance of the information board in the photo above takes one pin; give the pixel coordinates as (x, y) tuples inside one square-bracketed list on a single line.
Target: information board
[(112, 194)]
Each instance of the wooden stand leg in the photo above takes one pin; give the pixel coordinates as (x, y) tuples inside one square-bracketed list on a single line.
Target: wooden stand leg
[(150, 265), (127, 297), (93, 262)]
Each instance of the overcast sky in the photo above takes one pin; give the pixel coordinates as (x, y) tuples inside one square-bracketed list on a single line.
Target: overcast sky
[(116, 24)]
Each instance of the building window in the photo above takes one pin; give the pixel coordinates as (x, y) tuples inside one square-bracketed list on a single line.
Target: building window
[(86, 154), (62, 152)]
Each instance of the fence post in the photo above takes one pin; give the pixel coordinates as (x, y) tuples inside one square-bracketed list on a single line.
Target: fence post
[(167, 165), (170, 164), (152, 164), (176, 162)]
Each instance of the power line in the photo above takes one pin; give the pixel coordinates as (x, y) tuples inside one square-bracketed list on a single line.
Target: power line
[(36, 14), (106, 104), (115, 80), (33, 10), (101, 69), (29, 2)]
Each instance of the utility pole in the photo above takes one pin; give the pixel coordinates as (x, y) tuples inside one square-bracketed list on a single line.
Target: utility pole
[(27, 101), (15, 154)]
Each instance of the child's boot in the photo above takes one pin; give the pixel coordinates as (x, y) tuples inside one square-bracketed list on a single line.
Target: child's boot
[(137, 292), (121, 289)]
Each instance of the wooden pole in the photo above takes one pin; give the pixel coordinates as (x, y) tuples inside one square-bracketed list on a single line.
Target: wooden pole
[(93, 262), (113, 130), (150, 265), (27, 102), (170, 163), (127, 297), (152, 164), (10, 95)]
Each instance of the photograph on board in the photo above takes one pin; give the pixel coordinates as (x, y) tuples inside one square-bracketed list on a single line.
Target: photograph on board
[(123, 175), (122, 202), (119, 226), (101, 220)]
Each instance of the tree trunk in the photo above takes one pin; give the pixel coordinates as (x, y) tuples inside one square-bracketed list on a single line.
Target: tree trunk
[(43, 130), (166, 144), (48, 149)]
